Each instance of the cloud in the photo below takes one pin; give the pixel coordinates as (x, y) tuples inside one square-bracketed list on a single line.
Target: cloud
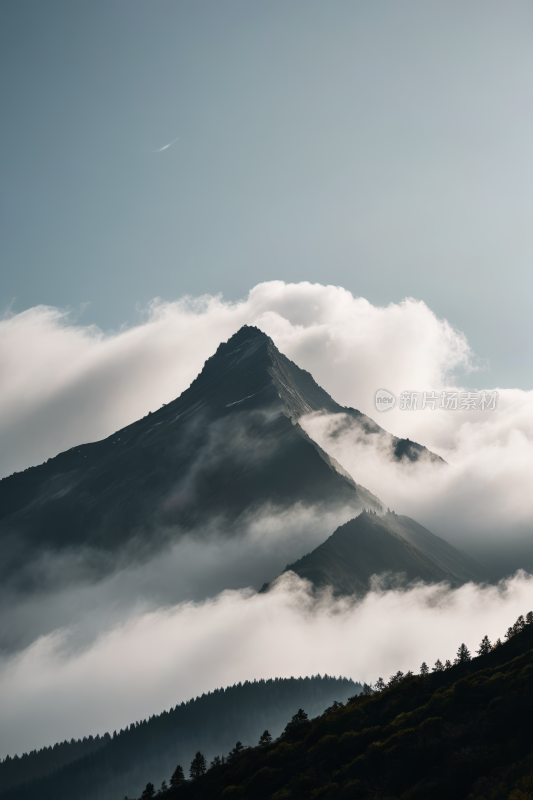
[(481, 501), (166, 146), (91, 590), (64, 384), (51, 692), (130, 644)]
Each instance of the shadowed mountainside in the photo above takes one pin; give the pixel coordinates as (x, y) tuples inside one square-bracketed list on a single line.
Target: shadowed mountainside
[(372, 545), (117, 765), (461, 732), (229, 444)]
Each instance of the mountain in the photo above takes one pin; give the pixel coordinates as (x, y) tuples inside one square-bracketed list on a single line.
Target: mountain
[(372, 545), (109, 767), (228, 446), (463, 732)]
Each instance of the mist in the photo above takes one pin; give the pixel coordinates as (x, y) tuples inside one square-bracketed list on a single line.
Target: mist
[(480, 501), (82, 655), (69, 591), (156, 659)]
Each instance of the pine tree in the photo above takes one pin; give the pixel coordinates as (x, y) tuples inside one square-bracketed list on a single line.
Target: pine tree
[(237, 750), (463, 654), (216, 762), (368, 691), (448, 664), (510, 633), (149, 792), (497, 643), (265, 738), (529, 618), (379, 685), (163, 788), (439, 667), (485, 647), (424, 669), (198, 766), (298, 719), (178, 778), (396, 679), (519, 625)]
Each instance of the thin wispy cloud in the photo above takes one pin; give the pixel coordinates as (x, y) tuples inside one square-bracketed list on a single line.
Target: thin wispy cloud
[(166, 146)]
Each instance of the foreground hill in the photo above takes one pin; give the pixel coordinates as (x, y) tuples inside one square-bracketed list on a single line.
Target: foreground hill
[(463, 732), (373, 545), (109, 767)]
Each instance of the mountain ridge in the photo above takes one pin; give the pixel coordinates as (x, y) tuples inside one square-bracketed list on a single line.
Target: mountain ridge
[(385, 545)]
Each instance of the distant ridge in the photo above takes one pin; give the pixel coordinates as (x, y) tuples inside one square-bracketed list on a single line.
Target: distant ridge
[(385, 545), (119, 764)]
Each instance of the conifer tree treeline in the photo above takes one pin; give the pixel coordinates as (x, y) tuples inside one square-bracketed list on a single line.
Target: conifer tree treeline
[(149, 750), (440, 734)]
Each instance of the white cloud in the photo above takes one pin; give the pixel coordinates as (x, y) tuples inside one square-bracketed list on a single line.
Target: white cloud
[(63, 384), (92, 591), (156, 659), (481, 500)]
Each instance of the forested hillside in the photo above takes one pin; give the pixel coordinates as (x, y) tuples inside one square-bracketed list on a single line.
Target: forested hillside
[(460, 730), (212, 723)]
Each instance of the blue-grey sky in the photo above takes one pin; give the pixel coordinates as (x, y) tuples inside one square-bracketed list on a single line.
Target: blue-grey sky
[(384, 147)]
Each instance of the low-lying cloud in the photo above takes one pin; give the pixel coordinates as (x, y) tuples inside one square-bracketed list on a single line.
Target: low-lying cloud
[(145, 638), (51, 692), (480, 501), (92, 590)]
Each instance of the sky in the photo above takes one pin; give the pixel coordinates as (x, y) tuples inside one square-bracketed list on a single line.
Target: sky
[(169, 149)]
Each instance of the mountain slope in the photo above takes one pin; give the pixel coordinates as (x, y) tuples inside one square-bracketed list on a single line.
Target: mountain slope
[(462, 733), (227, 446), (212, 722), (372, 545)]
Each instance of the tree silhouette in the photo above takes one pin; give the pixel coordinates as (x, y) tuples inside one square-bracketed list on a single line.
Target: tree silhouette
[(424, 669), (379, 685), (368, 691), (396, 679), (485, 647), (216, 762), (299, 719), (198, 766), (237, 750), (439, 666), (265, 738), (163, 788), (463, 654), (519, 625), (178, 777), (149, 792), (529, 618), (448, 664)]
